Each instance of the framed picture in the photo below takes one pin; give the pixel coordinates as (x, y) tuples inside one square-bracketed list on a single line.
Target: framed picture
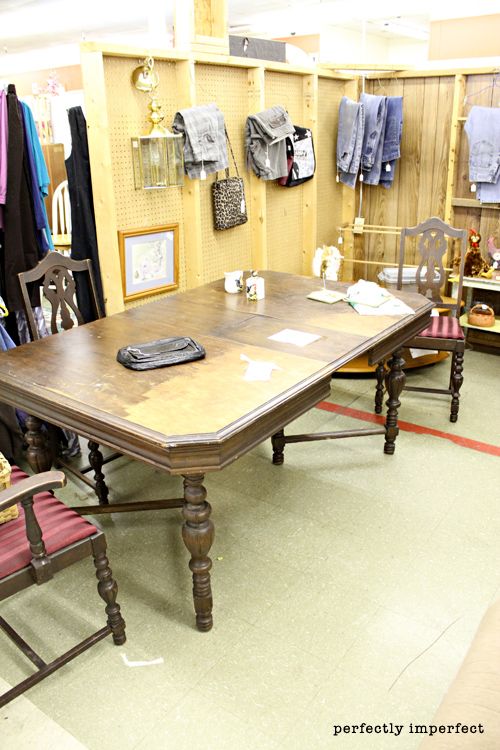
[(149, 260)]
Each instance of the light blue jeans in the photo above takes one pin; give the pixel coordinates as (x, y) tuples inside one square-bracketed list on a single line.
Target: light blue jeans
[(349, 140), (373, 141), (483, 131)]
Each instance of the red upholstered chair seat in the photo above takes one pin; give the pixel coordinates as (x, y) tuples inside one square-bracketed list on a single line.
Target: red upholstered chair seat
[(60, 528), (443, 327)]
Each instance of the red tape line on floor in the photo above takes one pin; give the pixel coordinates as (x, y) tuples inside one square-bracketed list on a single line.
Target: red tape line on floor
[(366, 416)]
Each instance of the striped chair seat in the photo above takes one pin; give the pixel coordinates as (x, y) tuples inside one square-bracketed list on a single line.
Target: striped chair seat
[(60, 528), (443, 327)]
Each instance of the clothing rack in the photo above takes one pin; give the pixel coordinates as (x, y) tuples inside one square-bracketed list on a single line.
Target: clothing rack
[(369, 229)]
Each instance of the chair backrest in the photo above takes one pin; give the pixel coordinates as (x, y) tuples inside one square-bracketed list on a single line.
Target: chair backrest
[(431, 247), (59, 289), (61, 209)]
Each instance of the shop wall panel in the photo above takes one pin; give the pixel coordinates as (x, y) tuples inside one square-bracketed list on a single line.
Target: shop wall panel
[(284, 205), (329, 192), (229, 249), (127, 116)]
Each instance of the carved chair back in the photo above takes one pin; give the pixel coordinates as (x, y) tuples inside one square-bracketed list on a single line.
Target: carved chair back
[(432, 246), (56, 274)]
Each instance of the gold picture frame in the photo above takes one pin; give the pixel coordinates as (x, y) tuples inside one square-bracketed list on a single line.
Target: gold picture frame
[(149, 259)]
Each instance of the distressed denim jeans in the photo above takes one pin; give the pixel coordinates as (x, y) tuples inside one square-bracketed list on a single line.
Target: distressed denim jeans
[(373, 141), (392, 139), (349, 140)]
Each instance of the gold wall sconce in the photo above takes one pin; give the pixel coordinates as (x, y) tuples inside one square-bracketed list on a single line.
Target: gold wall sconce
[(158, 157)]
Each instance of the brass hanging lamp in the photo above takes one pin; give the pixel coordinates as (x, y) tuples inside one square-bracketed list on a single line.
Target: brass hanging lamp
[(158, 156)]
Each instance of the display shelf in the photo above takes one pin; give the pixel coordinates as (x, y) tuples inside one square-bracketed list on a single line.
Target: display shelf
[(488, 329)]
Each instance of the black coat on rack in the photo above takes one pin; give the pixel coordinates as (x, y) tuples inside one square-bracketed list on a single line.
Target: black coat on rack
[(21, 251), (83, 231)]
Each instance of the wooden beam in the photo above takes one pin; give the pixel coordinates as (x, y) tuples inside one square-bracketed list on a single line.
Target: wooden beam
[(257, 208), (458, 98), (348, 204), (201, 25), (209, 58), (193, 238), (211, 18), (102, 179), (310, 188)]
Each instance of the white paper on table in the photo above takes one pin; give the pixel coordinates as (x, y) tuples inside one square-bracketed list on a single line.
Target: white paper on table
[(393, 306), (258, 369), (291, 336)]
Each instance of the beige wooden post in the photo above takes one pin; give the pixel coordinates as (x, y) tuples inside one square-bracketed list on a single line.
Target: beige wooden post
[(201, 26), (102, 183), (257, 208), (458, 98), (310, 188), (349, 203), (193, 238)]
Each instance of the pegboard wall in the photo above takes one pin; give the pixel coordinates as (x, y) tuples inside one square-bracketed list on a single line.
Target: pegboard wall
[(329, 198), (284, 205), (127, 117), (225, 250), (281, 210), (423, 184)]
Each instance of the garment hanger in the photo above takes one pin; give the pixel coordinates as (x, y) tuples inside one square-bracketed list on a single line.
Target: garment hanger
[(494, 84)]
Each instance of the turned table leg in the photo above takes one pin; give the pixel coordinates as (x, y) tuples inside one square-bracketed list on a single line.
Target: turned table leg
[(394, 383), (278, 444), (39, 453), (198, 535), (96, 460)]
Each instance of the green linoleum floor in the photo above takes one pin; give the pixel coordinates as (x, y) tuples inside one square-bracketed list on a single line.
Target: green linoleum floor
[(347, 586)]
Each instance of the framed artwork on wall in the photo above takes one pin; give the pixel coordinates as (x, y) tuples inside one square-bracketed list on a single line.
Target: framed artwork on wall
[(149, 259)]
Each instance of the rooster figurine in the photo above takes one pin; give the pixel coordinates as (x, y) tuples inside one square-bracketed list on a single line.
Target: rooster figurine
[(474, 264)]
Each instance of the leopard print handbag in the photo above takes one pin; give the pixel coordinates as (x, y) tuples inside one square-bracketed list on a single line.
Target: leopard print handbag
[(228, 199)]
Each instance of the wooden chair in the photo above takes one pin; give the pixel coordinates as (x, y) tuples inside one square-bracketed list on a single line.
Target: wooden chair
[(444, 332), (45, 538), (58, 287)]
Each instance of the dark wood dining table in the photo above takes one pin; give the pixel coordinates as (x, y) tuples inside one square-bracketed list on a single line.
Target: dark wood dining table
[(198, 417)]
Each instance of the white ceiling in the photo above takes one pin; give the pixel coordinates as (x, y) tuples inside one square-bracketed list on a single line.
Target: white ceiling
[(26, 25)]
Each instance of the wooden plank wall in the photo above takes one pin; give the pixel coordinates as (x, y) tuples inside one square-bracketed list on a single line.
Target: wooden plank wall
[(419, 188), (481, 92), (421, 179)]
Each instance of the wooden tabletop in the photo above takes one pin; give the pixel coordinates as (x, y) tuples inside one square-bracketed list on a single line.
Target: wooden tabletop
[(201, 415)]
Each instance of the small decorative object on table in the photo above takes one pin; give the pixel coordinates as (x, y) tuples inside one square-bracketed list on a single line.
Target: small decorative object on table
[(10, 514), (255, 287), (327, 262), (481, 315), (474, 262), (233, 281)]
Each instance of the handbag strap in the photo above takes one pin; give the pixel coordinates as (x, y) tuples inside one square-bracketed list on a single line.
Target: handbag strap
[(232, 154)]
